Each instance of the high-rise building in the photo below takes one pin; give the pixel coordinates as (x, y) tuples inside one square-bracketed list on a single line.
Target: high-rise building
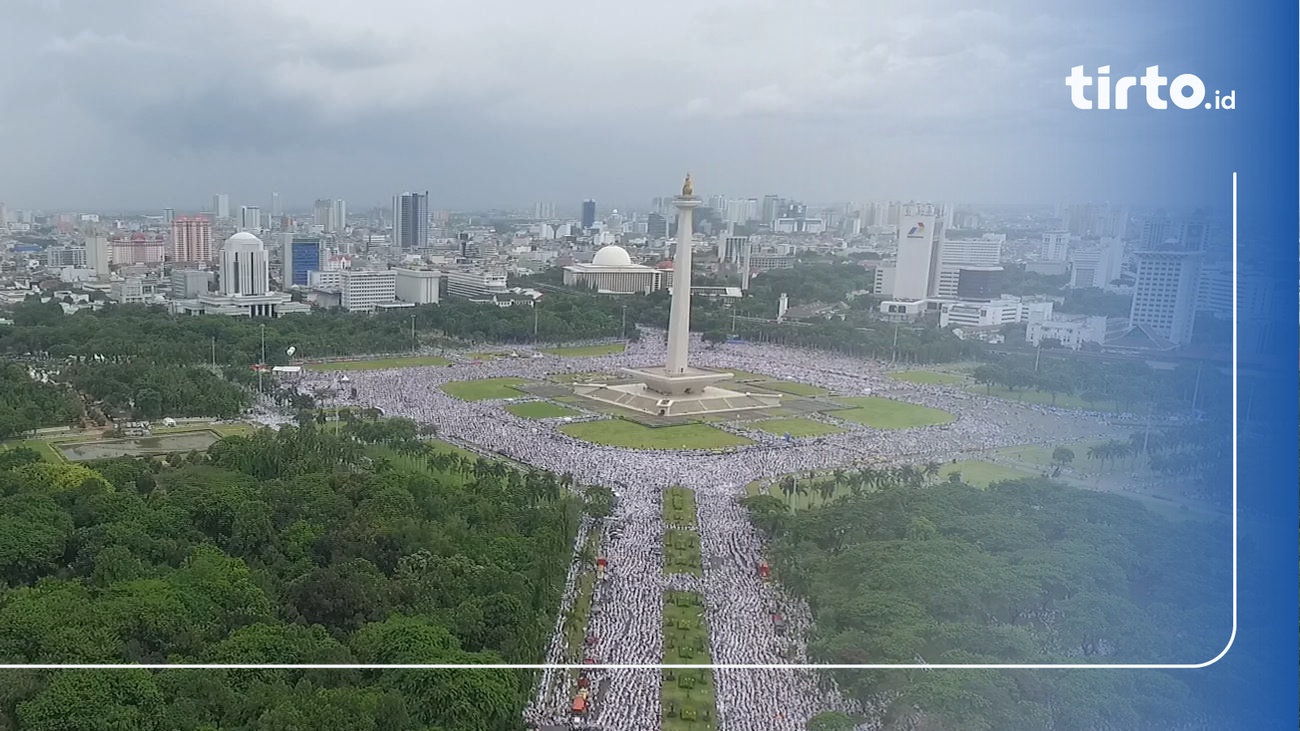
[(1194, 232), (169, 215), (1056, 246), (656, 226), (1164, 297), (1156, 230), (1098, 266), (418, 286), (97, 254), (770, 208), (322, 213), (221, 206), (588, 213), (411, 220), (338, 215), (244, 269), (543, 211), (191, 239), (300, 256), (276, 209), (978, 256), (4, 216), (250, 218), (916, 258), (189, 283)]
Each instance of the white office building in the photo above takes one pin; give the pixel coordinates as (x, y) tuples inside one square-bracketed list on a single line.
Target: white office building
[(476, 283), (97, 255), (362, 290), (1098, 266), (956, 254), (914, 269), (418, 286), (1006, 311), (1056, 246), (1164, 297), (1071, 331), (250, 218)]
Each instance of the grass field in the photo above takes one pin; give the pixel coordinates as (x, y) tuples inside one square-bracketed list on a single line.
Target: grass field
[(681, 552), (1030, 396), (48, 447), (688, 696), (679, 506), (575, 625), (484, 388), (380, 363), (794, 389), (929, 378), (796, 427), (539, 410), (981, 474), (623, 433), (586, 351), (883, 413)]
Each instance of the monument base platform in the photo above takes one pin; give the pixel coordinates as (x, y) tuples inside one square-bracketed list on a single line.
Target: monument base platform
[(690, 397)]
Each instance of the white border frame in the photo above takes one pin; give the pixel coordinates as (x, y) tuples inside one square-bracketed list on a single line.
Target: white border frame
[(780, 666)]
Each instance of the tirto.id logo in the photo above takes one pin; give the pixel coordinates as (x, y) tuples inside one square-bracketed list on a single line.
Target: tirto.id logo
[(1186, 91)]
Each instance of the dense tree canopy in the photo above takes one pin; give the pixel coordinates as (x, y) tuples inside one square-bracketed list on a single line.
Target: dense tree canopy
[(284, 547), (1027, 571), (27, 404)]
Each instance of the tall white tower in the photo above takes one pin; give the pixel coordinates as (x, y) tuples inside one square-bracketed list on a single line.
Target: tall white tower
[(679, 315)]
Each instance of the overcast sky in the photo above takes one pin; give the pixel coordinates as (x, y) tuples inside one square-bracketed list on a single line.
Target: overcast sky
[(142, 104)]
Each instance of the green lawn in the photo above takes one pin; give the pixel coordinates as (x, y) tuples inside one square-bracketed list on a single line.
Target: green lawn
[(794, 389), (796, 427), (42, 447), (623, 433), (442, 446), (484, 388), (380, 363), (586, 351), (883, 413), (575, 625), (540, 410), (688, 695), (682, 552), (926, 377), (1031, 396), (679, 506), (981, 474)]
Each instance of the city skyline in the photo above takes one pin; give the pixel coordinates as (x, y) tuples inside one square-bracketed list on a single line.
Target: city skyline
[(892, 101)]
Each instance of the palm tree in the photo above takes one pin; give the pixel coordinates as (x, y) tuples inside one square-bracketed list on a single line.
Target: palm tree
[(826, 490), (930, 470), (787, 487)]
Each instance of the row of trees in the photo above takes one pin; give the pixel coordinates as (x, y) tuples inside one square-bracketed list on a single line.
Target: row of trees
[(1027, 571), (295, 546), (27, 404)]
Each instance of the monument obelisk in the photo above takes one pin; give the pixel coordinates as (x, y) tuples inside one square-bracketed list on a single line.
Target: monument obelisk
[(677, 389), (679, 315)]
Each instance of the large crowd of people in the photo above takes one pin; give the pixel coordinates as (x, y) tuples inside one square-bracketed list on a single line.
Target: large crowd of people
[(750, 620)]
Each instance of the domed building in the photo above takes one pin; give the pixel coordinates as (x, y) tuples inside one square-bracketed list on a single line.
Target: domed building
[(245, 284), (612, 271)]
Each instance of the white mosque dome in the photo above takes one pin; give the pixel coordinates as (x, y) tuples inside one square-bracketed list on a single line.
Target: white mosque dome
[(612, 256), (244, 241)]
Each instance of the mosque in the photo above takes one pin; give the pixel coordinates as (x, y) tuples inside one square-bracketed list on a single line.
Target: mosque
[(612, 271)]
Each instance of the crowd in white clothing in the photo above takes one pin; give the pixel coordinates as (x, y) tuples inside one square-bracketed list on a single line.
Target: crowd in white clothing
[(627, 614)]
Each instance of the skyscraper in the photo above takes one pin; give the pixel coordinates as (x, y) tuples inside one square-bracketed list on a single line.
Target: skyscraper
[(916, 258), (221, 205), (300, 256), (1056, 246), (1164, 297), (97, 254), (191, 239), (588, 213), (169, 215), (1156, 230), (411, 220), (250, 218), (276, 210), (656, 226)]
